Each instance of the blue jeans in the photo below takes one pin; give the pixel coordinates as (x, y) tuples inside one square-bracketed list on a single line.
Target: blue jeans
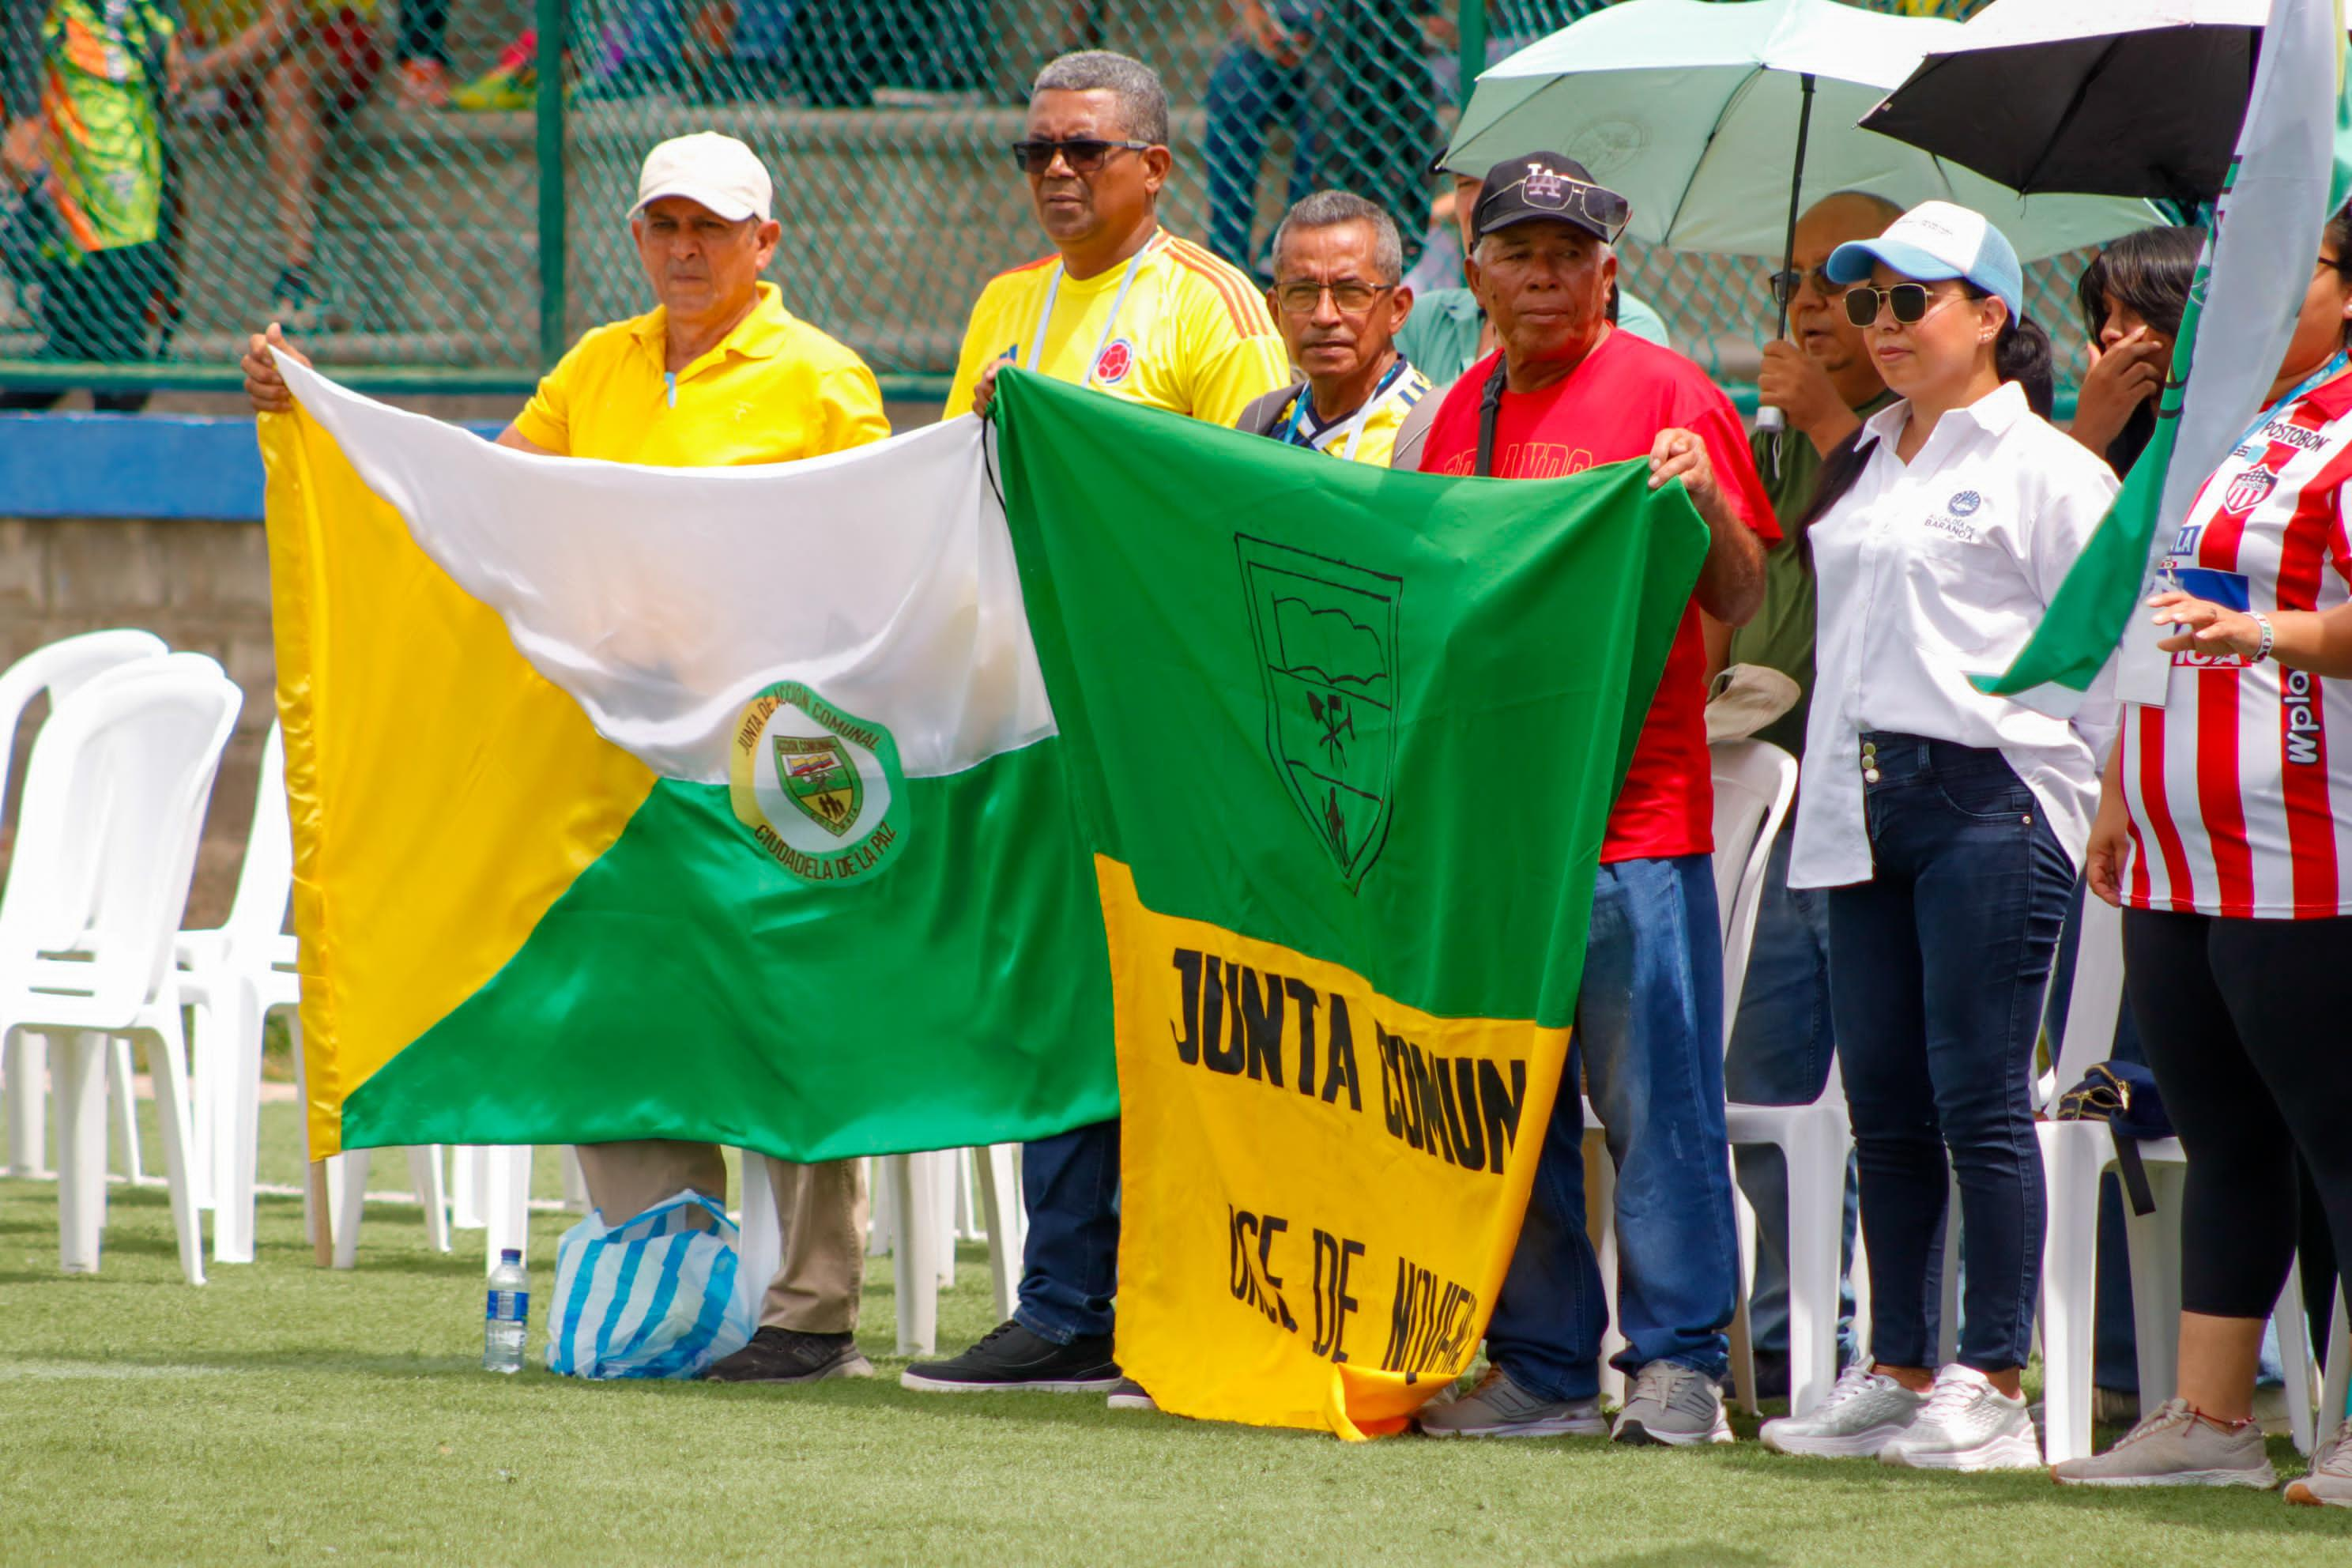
[(1780, 1055), (1069, 1186), (1648, 1032), (1247, 93), (1938, 966)]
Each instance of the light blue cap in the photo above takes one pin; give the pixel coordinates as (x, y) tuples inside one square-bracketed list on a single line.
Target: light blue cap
[(1936, 240)]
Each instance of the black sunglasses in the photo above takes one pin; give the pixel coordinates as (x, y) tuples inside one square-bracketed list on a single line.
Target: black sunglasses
[(1784, 285), (1907, 300), (1083, 154)]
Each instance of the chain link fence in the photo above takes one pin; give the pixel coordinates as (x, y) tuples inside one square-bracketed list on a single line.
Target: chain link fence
[(387, 177)]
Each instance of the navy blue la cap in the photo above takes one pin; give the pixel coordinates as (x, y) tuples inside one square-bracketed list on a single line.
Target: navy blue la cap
[(1936, 240), (1550, 186)]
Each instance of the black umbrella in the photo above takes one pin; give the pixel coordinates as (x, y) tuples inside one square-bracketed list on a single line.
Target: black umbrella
[(2127, 97)]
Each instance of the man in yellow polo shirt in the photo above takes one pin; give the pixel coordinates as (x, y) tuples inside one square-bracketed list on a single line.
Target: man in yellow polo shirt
[(719, 373), (1128, 309)]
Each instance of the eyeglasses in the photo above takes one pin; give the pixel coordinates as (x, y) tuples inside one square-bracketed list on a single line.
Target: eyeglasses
[(1083, 154), (1784, 285), (1351, 296), (1907, 300)]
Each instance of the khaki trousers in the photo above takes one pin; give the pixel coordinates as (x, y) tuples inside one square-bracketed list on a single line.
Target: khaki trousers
[(820, 1212)]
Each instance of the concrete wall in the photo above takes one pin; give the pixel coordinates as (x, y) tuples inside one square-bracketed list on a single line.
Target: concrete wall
[(200, 586)]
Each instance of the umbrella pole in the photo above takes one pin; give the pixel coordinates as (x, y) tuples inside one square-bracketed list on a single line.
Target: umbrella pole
[(1767, 418)]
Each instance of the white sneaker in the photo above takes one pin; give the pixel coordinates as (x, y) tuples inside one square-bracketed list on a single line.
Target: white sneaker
[(1966, 1424), (1866, 1411)]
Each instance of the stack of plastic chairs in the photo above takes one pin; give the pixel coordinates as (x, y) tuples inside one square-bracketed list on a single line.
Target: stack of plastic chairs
[(115, 794), (59, 671)]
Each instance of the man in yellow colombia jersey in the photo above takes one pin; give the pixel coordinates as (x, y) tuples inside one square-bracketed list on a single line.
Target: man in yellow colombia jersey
[(1339, 296), (1129, 309), (719, 373), (1122, 305)]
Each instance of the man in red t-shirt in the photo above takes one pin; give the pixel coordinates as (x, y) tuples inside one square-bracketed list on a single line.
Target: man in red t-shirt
[(1566, 391)]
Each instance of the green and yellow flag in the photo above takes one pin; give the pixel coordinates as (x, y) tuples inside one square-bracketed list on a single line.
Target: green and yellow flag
[(1344, 743)]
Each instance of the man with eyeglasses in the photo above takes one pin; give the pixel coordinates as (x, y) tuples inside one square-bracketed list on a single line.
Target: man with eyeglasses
[(1128, 309), (1568, 391), (1122, 305), (1339, 297), (1822, 375)]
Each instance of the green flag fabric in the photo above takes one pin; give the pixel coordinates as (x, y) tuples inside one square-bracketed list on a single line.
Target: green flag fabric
[(1343, 743)]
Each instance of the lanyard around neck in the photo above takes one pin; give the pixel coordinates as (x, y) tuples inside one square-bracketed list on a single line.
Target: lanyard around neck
[(1045, 314), (1354, 428), (2328, 372)]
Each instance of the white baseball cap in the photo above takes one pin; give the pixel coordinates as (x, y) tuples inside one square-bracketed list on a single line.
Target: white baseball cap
[(718, 171), (1935, 241)]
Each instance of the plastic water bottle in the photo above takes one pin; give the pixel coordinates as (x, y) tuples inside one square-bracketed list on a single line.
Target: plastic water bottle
[(506, 1321)]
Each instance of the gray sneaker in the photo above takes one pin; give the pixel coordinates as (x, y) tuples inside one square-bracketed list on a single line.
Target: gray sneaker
[(2329, 1479), (1866, 1411), (1967, 1424), (1498, 1408), (1673, 1405), (2175, 1447)]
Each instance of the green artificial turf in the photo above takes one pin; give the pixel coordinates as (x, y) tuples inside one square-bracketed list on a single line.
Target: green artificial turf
[(287, 1413)]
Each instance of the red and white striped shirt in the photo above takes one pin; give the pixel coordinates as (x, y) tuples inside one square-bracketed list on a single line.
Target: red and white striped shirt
[(2240, 787)]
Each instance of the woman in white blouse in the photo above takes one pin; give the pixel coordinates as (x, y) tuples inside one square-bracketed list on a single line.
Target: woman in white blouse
[(1948, 825)]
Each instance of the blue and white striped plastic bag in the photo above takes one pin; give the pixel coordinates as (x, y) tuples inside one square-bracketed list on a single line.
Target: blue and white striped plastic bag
[(654, 1297)]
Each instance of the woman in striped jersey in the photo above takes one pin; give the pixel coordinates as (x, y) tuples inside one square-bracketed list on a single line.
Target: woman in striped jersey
[(2225, 832)]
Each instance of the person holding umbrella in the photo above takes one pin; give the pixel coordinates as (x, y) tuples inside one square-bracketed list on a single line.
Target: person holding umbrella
[(1947, 825), (1823, 377)]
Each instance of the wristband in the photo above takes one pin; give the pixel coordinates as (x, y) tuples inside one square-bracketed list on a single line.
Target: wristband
[(2270, 638)]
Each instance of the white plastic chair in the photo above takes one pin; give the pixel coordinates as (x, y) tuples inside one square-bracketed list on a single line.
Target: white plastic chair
[(230, 975), (1754, 782), (59, 668), (114, 806), (2073, 1155), (1815, 1140), (915, 1208), (489, 1191)]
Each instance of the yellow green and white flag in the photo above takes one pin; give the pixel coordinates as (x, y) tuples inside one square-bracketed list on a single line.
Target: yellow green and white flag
[(701, 803)]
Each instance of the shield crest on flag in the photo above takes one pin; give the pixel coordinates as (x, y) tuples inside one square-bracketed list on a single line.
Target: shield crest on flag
[(820, 779), (1326, 644)]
